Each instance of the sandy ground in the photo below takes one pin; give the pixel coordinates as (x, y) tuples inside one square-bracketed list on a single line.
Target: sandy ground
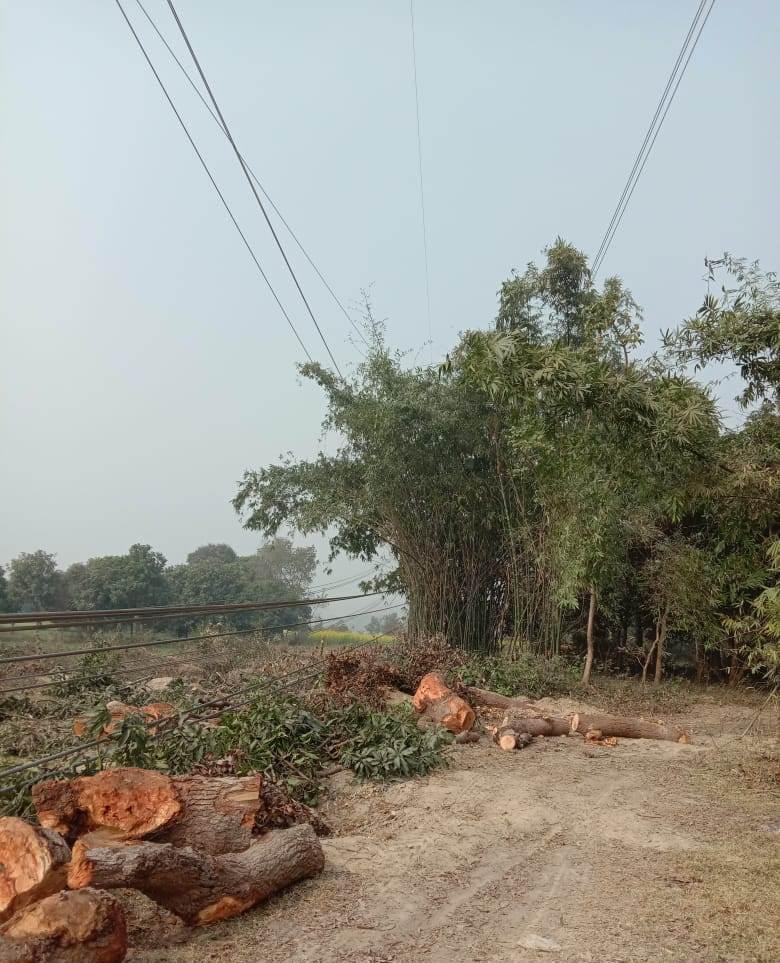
[(646, 851)]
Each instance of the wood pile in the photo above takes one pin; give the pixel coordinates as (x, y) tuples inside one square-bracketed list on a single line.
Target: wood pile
[(205, 848)]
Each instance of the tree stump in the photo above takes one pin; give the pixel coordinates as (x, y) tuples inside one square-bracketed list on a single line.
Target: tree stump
[(33, 864), (438, 703), (87, 926), (198, 887)]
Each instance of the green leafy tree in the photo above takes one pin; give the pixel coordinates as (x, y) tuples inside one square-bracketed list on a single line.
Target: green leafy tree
[(134, 580), (35, 583), (5, 602), (741, 325), (219, 552)]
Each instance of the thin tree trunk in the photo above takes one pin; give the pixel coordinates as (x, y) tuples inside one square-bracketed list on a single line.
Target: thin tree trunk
[(660, 647), (591, 621)]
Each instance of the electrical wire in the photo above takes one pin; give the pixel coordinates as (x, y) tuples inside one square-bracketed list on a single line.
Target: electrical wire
[(213, 182), (5, 660), (652, 132), (254, 177), (422, 183), (71, 617), (251, 183), (264, 683), (184, 659)]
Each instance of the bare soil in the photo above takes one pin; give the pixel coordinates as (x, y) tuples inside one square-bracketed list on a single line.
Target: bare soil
[(648, 851)]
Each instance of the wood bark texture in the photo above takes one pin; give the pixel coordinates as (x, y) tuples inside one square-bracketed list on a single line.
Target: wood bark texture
[(33, 864), (213, 814), (87, 926), (604, 725), (196, 886), (442, 705)]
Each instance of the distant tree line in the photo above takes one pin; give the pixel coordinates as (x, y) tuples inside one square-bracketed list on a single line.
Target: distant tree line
[(214, 573)]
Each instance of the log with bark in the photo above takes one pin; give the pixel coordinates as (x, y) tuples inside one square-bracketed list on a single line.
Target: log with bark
[(440, 704), (593, 727), (87, 926), (198, 887), (33, 864), (214, 814)]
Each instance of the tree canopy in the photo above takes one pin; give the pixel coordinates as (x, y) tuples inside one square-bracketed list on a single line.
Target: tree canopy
[(548, 469)]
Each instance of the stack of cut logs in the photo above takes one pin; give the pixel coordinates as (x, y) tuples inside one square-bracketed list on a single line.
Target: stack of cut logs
[(439, 704), (205, 848)]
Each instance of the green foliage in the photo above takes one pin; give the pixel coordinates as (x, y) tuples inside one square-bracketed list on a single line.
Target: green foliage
[(525, 675), (212, 553), (94, 672), (278, 735), (387, 745), (5, 601), (119, 581), (35, 584), (742, 325)]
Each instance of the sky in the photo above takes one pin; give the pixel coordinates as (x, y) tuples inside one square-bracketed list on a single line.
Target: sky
[(144, 365)]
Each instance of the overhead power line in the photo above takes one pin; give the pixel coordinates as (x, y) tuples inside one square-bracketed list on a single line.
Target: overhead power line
[(254, 177), (153, 611), (285, 680), (186, 660), (213, 182), (137, 645), (653, 130), (422, 182), (251, 183)]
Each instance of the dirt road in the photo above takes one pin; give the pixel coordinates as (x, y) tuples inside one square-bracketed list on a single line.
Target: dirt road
[(647, 851)]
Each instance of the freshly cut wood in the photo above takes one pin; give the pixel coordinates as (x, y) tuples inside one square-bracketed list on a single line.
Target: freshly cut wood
[(440, 704), (136, 802), (118, 711), (630, 728), (33, 864), (87, 926), (213, 814), (196, 886), (606, 726), (509, 739)]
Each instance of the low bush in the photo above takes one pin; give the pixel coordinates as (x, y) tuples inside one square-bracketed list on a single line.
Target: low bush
[(527, 675)]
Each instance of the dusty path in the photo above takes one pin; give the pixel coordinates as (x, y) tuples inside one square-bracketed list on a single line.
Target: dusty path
[(646, 851)]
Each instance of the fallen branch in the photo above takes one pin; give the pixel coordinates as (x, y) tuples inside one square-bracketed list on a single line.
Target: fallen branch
[(196, 886), (33, 864), (83, 927)]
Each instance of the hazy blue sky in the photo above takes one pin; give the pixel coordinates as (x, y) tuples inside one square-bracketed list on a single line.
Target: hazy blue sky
[(143, 364)]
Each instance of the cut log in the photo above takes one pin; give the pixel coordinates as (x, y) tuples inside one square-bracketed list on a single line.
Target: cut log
[(494, 700), (440, 704), (33, 864), (630, 728), (82, 927), (136, 802), (606, 726), (196, 886), (509, 739), (213, 814)]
